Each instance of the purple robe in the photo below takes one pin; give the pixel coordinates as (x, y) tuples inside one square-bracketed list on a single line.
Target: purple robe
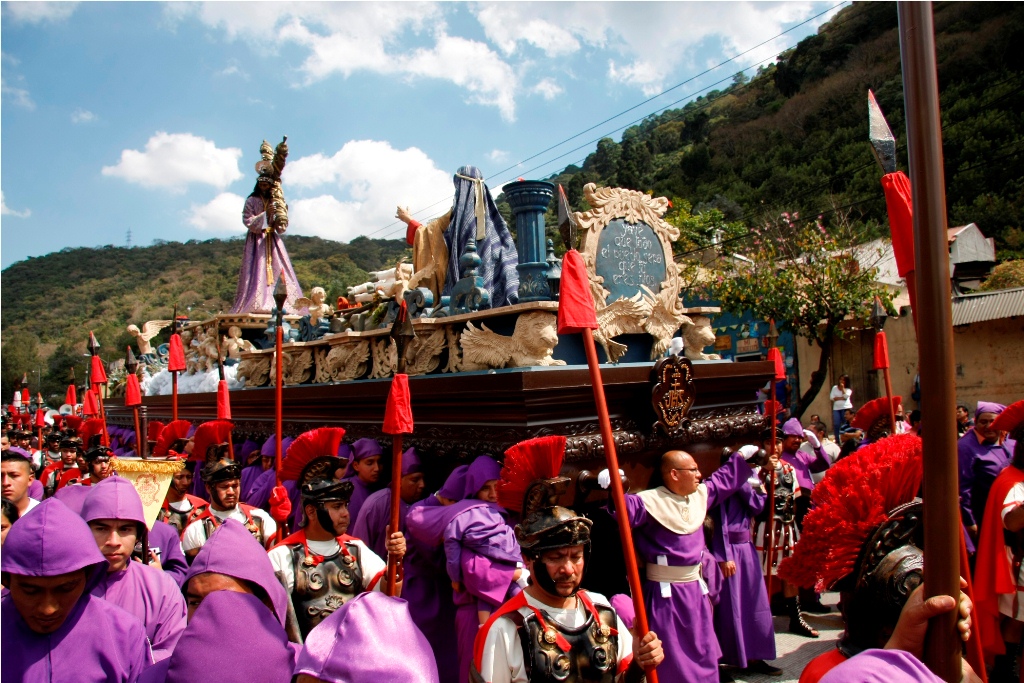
[(369, 639), (263, 485), (804, 464), (360, 492), (147, 593), (374, 518), (683, 621), (743, 620), (231, 637), (35, 490), (97, 641), (231, 550), (249, 476), (74, 497), (165, 537), (255, 293), (979, 464), (881, 666)]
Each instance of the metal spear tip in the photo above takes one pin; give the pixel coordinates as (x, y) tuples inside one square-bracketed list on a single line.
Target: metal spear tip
[(878, 315), (773, 334), (280, 292), (402, 329), (130, 362), (39, 400), (93, 346), (883, 142)]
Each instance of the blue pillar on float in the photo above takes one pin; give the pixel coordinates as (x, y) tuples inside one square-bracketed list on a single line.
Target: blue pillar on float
[(529, 200)]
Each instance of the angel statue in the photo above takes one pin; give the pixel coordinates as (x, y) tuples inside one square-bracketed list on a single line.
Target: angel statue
[(149, 330), (318, 322), (265, 216)]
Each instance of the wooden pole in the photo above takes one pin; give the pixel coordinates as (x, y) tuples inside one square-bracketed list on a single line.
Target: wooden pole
[(396, 500), (174, 395), (618, 495), (770, 536), (888, 394), (279, 411), (140, 443), (935, 330)]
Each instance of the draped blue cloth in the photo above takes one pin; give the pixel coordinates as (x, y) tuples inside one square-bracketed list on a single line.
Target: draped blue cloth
[(497, 250)]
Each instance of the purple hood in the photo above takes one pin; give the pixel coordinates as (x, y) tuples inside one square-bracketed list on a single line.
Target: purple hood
[(115, 498), (482, 470)]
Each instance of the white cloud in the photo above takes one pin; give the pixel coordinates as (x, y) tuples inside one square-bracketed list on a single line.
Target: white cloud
[(548, 89), (372, 178), (8, 211), (498, 155), (507, 24), (222, 214), (346, 38), (82, 116), (38, 12), (172, 161), (233, 70), (16, 96)]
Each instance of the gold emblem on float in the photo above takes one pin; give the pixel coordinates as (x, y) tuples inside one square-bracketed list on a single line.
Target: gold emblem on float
[(673, 392)]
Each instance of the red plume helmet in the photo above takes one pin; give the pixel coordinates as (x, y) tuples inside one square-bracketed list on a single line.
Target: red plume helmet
[(315, 443), (1011, 420), (873, 411), (526, 462), (856, 496), (72, 422), (174, 431), (208, 434), (89, 429), (153, 430)]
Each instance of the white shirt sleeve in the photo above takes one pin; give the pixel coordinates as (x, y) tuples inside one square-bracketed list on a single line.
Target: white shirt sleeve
[(269, 525), (502, 660), (194, 536), (1014, 499), (371, 566), (281, 561)]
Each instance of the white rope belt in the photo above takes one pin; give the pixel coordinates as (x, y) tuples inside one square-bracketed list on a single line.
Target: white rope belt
[(481, 207), (665, 574)]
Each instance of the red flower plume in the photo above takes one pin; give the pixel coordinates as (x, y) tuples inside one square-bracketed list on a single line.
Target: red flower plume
[(168, 435), (309, 445), (526, 462), (153, 430), (209, 434), (873, 411), (855, 497), (1011, 419), (72, 422), (89, 429)]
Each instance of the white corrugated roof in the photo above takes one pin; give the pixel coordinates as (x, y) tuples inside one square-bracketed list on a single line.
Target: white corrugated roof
[(974, 308)]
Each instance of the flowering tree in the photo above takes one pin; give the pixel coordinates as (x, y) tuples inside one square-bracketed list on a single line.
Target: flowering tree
[(801, 274)]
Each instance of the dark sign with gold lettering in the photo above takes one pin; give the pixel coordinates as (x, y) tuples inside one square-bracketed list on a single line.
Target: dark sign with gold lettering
[(630, 255), (673, 392)]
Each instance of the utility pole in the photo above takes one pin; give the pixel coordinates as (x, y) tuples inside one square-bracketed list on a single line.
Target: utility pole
[(128, 239)]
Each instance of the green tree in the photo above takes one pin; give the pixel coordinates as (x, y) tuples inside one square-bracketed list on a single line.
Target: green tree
[(801, 274)]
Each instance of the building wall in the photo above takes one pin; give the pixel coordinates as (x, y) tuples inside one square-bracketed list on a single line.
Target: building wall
[(989, 364)]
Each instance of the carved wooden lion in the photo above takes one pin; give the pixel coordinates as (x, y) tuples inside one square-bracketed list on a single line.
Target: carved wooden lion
[(696, 336)]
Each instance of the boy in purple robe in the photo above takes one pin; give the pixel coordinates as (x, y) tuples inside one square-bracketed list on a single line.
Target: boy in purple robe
[(231, 637), (51, 627), (166, 543), (371, 638), (981, 455), (114, 513), (375, 515), (668, 535), (364, 473), (258, 493), (743, 620)]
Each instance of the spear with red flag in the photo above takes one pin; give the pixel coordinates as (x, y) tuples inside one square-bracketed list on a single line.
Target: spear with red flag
[(71, 395), (40, 420), (576, 313), (280, 296), (133, 399), (398, 421), (175, 363), (98, 378), (775, 356), (223, 400)]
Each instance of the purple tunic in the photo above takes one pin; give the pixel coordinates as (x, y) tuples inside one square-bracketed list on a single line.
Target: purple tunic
[(255, 293), (360, 492), (979, 464), (374, 518), (881, 666), (231, 550), (683, 621), (147, 593), (231, 637), (371, 638), (35, 489), (165, 537), (74, 497), (97, 641), (743, 620), (804, 464)]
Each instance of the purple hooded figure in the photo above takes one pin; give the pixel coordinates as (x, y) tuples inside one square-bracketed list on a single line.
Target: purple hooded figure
[(261, 488), (375, 515), (231, 637), (112, 509), (371, 638), (426, 585), (73, 496), (980, 459), (804, 464), (232, 552), (166, 543), (364, 477), (881, 666), (70, 635)]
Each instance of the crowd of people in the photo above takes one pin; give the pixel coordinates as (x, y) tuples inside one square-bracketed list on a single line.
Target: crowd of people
[(251, 573)]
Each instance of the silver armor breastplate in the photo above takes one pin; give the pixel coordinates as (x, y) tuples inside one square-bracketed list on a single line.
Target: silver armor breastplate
[(593, 653), (321, 589)]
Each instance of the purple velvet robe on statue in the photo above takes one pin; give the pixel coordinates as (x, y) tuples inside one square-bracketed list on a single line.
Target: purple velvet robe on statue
[(743, 619), (255, 293), (369, 639), (683, 621), (147, 593), (97, 642)]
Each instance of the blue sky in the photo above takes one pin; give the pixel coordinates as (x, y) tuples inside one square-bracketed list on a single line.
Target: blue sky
[(148, 116)]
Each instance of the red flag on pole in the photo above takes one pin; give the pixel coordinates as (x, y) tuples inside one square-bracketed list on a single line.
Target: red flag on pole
[(132, 392), (775, 356), (176, 355), (71, 396), (575, 304), (881, 352), (40, 418), (90, 406), (98, 374), (398, 414), (223, 401), (26, 398)]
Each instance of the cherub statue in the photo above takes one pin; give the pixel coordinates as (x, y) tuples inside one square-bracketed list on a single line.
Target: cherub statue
[(234, 345), (532, 343), (696, 336), (209, 354), (317, 306), (149, 330)]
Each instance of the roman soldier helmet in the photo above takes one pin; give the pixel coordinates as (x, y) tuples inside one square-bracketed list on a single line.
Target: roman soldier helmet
[(312, 460), (97, 452), (1011, 420), (91, 432), (172, 440), (54, 438), (211, 445), (873, 417), (71, 442), (863, 537)]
